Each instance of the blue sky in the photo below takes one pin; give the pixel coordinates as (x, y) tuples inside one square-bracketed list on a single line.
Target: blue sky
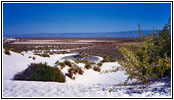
[(26, 18)]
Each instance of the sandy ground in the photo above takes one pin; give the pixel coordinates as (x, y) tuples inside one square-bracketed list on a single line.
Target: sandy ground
[(90, 84)]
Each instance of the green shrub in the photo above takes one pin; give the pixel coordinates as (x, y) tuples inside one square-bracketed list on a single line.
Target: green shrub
[(15, 50), (62, 65), (45, 55), (100, 64), (51, 53), (77, 61), (85, 55), (12, 49), (96, 68), (92, 63), (75, 70), (88, 66), (84, 61), (40, 72), (68, 63), (152, 60), (105, 59), (42, 55), (7, 52)]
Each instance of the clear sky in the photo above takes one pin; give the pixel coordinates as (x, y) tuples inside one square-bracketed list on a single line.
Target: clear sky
[(26, 18)]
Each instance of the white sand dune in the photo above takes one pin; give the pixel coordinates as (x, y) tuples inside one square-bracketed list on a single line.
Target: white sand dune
[(90, 84)]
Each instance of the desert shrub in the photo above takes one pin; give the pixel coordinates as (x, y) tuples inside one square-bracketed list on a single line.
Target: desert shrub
[(68, 63), (51, 53), (7, 52), (88, 66), (97, 68), (6, 47), (15, 50), (57, 62), (100, 64), (34, 58), (152, 60), (62, 64), (45, 55), (40, 72), (84, 61), (92, 63), (105, 59), (85, 55), (75, 70), (77, 61), (42, 55)]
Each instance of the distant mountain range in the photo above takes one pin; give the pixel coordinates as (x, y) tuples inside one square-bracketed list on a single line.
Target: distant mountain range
[(122, 34)]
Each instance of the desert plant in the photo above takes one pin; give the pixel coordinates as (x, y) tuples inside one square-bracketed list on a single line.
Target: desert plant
[(75, 70), (7, 52), (42, 55), (68, 63), (92, 63), (105, 59), (100, 64), (51, 53), (97, 68), (77, 61), (40, 72), (45, 55), (15, 50), (34, 58), (152, 60), (88, 66), (62, 64), (11, 48), (57, 62), (84, 61), (85, 55)]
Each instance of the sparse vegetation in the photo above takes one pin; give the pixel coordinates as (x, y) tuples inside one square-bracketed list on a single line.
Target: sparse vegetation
[(77, 61), (7, 52), (97, 68), (100, 64), (105, 59), (68, 63), (75, 70), (88, 66), (92, 63), (62, 65), (40, 72), (97, 49), (7, 49), (84, 55), (42, 55), (84, 61)]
